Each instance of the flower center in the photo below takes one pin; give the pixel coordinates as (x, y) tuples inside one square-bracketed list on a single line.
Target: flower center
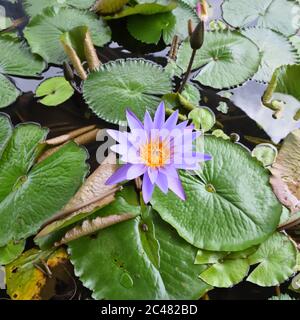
[(155, 153)]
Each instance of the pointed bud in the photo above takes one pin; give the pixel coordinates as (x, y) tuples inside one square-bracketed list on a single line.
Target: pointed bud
[(68, 72), (197, 37)]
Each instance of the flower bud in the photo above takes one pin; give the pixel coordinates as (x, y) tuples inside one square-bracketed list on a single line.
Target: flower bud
[(68, 72), (197, 37)]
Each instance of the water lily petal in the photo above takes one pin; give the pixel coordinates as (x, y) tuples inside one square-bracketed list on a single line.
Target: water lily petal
[(176, 186), (147, 188), (119, 136), (170, 124), (119, 175), (133, 121), (162, 182), (135, 171), (148, 123), (159, 118), (152, 172)]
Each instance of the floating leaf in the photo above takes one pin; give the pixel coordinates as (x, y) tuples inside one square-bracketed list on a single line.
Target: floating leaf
[(20, 63), (203, 118), (142, 9), (127, 271), (25, 278), (134, 84), (223, 107), (220, 134), (191, 94), (269, 42), (266, 153), (29, 194), (227, 58), (149, 29), (109, 6), (278, 15), (33, 7), (44, 31), (54, 91), (225, 274), (11, 251), (93, 188), (277, 258), (5, 132), (232, 206), (285, 178), (295, 40), (283, 297), (8, 92)]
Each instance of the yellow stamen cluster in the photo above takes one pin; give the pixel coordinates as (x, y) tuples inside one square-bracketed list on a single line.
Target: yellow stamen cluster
[(155, 153)]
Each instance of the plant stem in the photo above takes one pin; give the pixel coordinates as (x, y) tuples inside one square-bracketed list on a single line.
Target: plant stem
[(277, 290), (188, 71), (181, 117)]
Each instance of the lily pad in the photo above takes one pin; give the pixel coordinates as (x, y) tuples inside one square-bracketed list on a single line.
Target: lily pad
[(142, 9), (268, 42), (266, 153), (29, 193), (134, 84), (277, 258), (127, 271), (33, 7), (149, 29), (279, 15), (229, 207), (44, 31), (21, 63), (203, 118), (109, 6), (54, 91), (227, 59), (11, 251), (8, 92)]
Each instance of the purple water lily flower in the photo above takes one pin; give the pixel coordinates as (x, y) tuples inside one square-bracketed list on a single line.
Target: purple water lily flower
[(156, 149)]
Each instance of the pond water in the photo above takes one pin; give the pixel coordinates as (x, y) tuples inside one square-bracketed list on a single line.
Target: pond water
[(244, 111)]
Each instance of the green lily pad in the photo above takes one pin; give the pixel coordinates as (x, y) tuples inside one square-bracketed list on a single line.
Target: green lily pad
[(266, 153), (279, 15), (33, 7), (203, 118), (227, 59), (29, 193), (295, 40), (191, 94), (127, 271), (109, 6), (134, 84), (276, 259), (149, 29), (229, 207), (8, 92), (225, 274), (21, 63), (142, 9), (11, 251), (6, 131), (54, 91), (44, 31), (268, 42)]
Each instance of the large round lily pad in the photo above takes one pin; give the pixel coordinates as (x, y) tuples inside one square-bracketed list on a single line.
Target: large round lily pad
[(44, 31), (279, 15), (134, 84), (230, 208), (122, 253), (270, 42), (227, 59), (29, 193)]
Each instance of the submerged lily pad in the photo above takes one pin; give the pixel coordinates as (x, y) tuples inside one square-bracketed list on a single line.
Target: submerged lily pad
[(230, 207), (33, 7), (44, 31), (29, 194), (127, 269), (134, 84), (279, 15), (277, 258), (227, 59), (276, 50)]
